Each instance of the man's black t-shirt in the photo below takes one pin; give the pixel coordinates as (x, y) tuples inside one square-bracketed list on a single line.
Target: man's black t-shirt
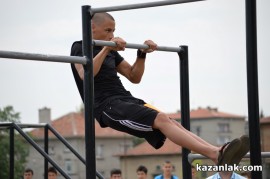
[(107, 84)]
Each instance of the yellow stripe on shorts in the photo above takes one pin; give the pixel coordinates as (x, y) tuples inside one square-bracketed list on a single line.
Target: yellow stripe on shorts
[(152, 107)]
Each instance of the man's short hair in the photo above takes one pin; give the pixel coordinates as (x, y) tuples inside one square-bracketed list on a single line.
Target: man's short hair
[(142, 168), (115, 171), (53, 170), (29, 170), (167, 161), (99, 18)]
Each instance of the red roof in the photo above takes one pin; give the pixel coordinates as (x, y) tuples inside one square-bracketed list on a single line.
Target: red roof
[(206, 113), (265, 120), (72, 124), (146, 149)]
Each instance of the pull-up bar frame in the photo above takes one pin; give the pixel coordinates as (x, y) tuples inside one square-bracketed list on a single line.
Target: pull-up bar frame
[(42, 57), (140, 5), (252, 79), (87, 14), (136, 46)]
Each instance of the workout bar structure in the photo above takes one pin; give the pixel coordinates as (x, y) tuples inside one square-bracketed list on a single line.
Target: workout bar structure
[(140, 5), (37, 147), (135, 46), (42, 57), (87, 61), (89, 83), (184, 106), (47, 127), (252, 74), (252, 87)]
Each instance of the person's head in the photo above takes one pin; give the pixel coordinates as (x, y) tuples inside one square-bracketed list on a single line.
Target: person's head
[(52, 173), (141, 172), (116, 174), (167, 168), (28, 173), (103, 26)]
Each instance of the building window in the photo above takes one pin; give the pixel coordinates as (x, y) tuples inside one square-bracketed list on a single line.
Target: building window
[(124, 147), (51, 150), (99, 151), (66, 150), (223, 139), (196, 130), (223, 127), (68, 166)]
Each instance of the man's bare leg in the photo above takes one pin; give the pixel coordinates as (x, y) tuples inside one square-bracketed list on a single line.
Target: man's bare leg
[(181, 137), (193, 135)]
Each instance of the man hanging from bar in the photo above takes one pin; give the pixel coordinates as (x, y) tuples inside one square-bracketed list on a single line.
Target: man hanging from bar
[(115, 107)]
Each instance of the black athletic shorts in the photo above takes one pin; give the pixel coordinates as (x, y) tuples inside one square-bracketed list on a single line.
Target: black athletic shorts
[(134, 117)]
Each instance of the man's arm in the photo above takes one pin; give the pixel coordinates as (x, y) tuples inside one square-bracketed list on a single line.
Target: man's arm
[(135, 72), (100, 57), (97, 62)]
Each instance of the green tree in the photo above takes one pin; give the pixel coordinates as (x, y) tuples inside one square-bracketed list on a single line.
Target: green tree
[(21, 149)]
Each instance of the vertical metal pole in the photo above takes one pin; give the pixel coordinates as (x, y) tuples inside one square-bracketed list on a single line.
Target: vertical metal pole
[(252, 86), (46, 149), (89, 94), (11, 152), (185, 111)]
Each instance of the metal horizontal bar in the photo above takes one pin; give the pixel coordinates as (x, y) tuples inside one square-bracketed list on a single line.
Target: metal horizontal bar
[(32, 125), (8, 124), (5, 125), (192, 157), (42, 57), (139, 6), (136, 46)]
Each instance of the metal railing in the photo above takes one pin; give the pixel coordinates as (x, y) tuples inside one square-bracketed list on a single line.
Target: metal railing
[(44, 152)]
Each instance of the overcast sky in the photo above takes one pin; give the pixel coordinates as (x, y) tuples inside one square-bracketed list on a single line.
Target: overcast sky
[(214, 31)]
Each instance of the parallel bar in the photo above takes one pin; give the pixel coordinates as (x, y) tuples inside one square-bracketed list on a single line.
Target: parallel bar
[(40, 150), (252, 87), (185, 110), (46, 149), (8, 124), (42, 57), (88, 86), (192, 157), (136, 46), (11, 152), (140, 5), (41, 125)]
